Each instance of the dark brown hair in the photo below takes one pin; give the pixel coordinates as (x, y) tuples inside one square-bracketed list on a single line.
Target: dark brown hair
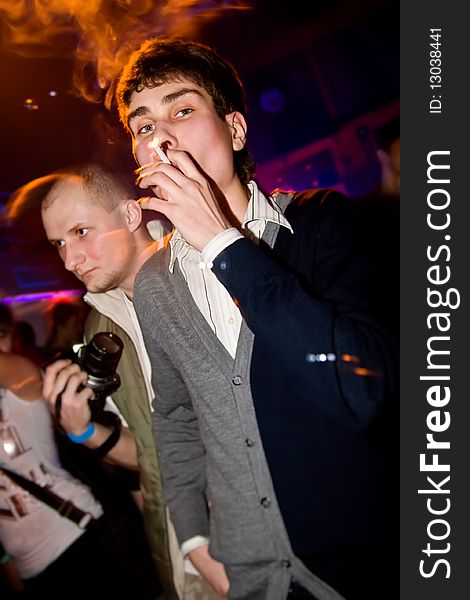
[(161, 60)]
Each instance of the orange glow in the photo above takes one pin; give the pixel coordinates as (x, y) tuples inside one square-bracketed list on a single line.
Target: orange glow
[(25, 203), (100, 34), (61, 298), (363, 372), (350, 358), (28, 381)]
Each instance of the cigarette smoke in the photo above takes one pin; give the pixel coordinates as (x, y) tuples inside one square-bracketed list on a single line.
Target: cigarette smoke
[(100, 34)]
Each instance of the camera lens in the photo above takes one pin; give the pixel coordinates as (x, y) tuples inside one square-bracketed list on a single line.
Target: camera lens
[(101, 356)]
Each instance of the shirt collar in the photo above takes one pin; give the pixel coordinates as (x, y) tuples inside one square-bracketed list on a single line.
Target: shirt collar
[(260, 208), (176, 244)]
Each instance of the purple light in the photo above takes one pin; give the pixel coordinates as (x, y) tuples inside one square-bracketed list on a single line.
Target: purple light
[(272, 100), (41, 296)]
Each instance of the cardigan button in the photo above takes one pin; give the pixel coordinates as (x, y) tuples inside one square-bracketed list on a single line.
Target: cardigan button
[(237, 380), (250, 442), (265, 502), (285, 563)]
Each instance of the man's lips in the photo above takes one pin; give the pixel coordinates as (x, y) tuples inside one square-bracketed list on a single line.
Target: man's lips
[(86, 273)]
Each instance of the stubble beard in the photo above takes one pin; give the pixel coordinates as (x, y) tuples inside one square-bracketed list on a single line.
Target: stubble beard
[(108, 281)]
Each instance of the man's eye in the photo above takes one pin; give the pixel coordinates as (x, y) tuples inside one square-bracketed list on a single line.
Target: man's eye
[(184, 111), (82, 231), (146, 129), (58, 243)]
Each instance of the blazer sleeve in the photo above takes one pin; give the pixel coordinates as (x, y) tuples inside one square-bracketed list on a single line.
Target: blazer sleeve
[(318, 318)]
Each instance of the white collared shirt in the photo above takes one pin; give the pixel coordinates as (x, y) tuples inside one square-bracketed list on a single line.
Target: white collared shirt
[(210, 295)]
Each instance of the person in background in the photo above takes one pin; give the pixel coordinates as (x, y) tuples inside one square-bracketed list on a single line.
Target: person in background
[(379, 211), (24, 342), (44, 553), (275, 377), (90, 217), (388, 154), (66, 324)]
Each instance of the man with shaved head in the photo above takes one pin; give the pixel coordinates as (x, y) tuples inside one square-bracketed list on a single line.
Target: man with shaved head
[(90, 215)]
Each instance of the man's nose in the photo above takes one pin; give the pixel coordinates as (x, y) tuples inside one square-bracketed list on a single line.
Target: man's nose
[(164, 138), (73, 258)]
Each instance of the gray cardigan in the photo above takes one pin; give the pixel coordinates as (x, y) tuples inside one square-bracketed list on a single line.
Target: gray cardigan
[(205, 425)]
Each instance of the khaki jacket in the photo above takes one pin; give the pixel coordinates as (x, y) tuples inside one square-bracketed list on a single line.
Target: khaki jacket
[(133, 400)]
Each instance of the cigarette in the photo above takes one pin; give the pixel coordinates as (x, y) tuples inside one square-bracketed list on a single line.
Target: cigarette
[(163, 157)]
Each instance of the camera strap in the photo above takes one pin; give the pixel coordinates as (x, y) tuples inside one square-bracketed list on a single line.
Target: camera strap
[(58, 408), (109, 443), (66, 508)]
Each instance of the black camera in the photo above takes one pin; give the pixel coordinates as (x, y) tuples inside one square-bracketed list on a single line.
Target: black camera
[(99, 359)]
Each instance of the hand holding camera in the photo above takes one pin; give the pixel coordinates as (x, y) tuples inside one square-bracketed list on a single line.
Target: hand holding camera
[(76, 385), (64, 380)]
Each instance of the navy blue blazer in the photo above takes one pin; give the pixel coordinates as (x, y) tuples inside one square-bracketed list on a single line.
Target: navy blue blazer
[(324, 379)]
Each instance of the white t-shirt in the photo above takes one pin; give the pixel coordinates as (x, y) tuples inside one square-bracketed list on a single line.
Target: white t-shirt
[(32, 532)]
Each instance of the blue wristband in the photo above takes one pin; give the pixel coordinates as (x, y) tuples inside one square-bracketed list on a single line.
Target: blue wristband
[(83, 437)]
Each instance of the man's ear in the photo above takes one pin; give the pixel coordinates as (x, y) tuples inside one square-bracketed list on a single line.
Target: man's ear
[(133, 215), (238, 128)]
